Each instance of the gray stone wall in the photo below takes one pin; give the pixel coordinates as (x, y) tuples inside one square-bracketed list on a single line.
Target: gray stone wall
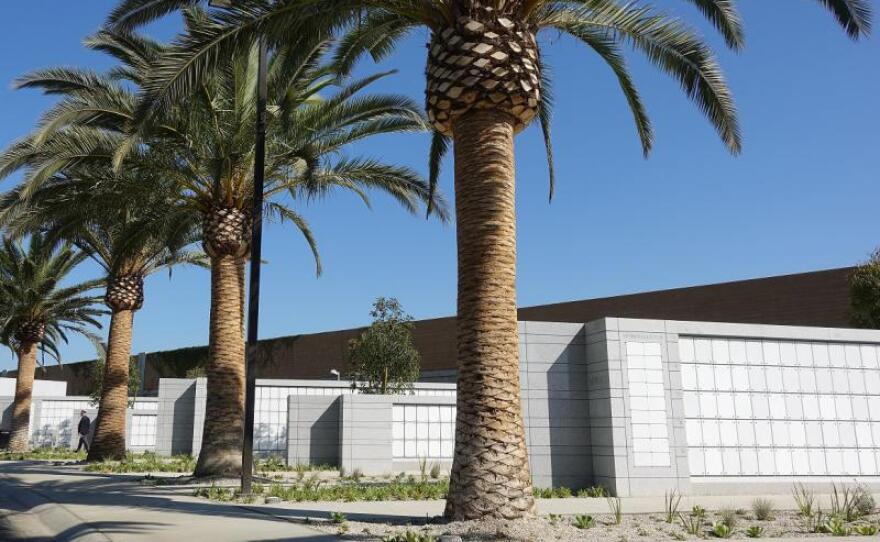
[(174, 430), (313, 430), (553, 378)]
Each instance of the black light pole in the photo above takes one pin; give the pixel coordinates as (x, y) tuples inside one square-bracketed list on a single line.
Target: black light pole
[(247, 448)]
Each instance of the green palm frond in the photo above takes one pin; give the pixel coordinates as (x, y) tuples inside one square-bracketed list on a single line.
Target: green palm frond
[(29, 292)]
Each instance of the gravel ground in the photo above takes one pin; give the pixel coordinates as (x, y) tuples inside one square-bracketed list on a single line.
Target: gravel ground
[(632, 528)]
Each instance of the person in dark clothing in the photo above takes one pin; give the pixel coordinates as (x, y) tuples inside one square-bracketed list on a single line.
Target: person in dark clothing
[(83, 429)]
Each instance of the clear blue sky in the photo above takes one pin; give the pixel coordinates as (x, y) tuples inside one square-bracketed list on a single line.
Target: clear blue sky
[(803, 195)]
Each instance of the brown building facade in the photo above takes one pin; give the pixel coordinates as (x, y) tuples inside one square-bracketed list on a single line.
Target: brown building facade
[(819, 298)]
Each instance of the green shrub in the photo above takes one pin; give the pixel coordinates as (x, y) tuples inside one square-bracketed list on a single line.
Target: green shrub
[(721, 530), (866, 529), (835, 526), (698, 511), (584, 522), (754, 531), (337, 517), (763, 509), (595, 492)]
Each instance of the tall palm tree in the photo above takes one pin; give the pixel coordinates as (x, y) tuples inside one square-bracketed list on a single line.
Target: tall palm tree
[(37, 312), (485, 83), (128, 224), (208, 149)]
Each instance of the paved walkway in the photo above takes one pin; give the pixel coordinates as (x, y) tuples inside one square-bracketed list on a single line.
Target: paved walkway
[(40, 503), (43, 502)]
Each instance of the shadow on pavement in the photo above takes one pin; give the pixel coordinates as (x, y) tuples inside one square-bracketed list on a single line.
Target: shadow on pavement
[(88, 489)]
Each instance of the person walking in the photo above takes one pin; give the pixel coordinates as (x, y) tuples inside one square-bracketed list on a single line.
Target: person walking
[(83, 429)]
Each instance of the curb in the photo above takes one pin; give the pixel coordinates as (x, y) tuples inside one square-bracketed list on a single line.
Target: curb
[(36, 518)]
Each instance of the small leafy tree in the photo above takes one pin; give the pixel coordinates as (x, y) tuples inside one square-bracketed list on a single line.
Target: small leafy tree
[(383, 359), (865, 293)]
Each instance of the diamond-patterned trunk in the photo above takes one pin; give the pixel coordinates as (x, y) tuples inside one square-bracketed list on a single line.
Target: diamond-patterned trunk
[(224, 406), (488, 60), (109, 438), (24, 385)]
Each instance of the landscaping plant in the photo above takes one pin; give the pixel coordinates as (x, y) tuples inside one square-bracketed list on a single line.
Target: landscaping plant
[(721, 530), (754, 531), (804, 498), (763, 509), (616, 506), (383, 359), (671, 501), (582, 521)]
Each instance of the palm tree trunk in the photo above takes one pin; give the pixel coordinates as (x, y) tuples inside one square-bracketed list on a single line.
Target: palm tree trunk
[(490, 471), (24, 386), (224, 410), (109, 439)]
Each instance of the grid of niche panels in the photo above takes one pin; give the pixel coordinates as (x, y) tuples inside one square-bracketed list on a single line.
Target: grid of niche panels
[(55, 427), (647, 400), (143, 430), (423, 431), (781, 408), (270, 413)]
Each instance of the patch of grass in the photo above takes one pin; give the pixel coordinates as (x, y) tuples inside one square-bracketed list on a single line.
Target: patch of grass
[(337, 517), (582, 521), (698, 511), (763, 509), (42, 453), (145, 462), (671, 501), (616, 506), (312, 489), (594, 492), (552, 492)]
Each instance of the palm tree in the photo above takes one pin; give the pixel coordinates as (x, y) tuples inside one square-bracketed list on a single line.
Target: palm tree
[(485, 83), (129, 226), (207, 149), (36, 311)]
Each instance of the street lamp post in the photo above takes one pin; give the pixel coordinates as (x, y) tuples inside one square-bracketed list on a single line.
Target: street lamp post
[(247, 448)]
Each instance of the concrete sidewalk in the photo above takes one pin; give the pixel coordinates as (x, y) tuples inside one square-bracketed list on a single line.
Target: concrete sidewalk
[(40, 503), (47, 502)]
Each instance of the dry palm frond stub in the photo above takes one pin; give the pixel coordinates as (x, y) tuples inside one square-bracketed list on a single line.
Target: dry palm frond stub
[(227, 232), (125, 292), (485, 61)]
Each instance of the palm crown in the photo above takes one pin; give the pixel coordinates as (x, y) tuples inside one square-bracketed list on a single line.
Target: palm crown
[(376, 26), (34, 306), (206, 146)]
